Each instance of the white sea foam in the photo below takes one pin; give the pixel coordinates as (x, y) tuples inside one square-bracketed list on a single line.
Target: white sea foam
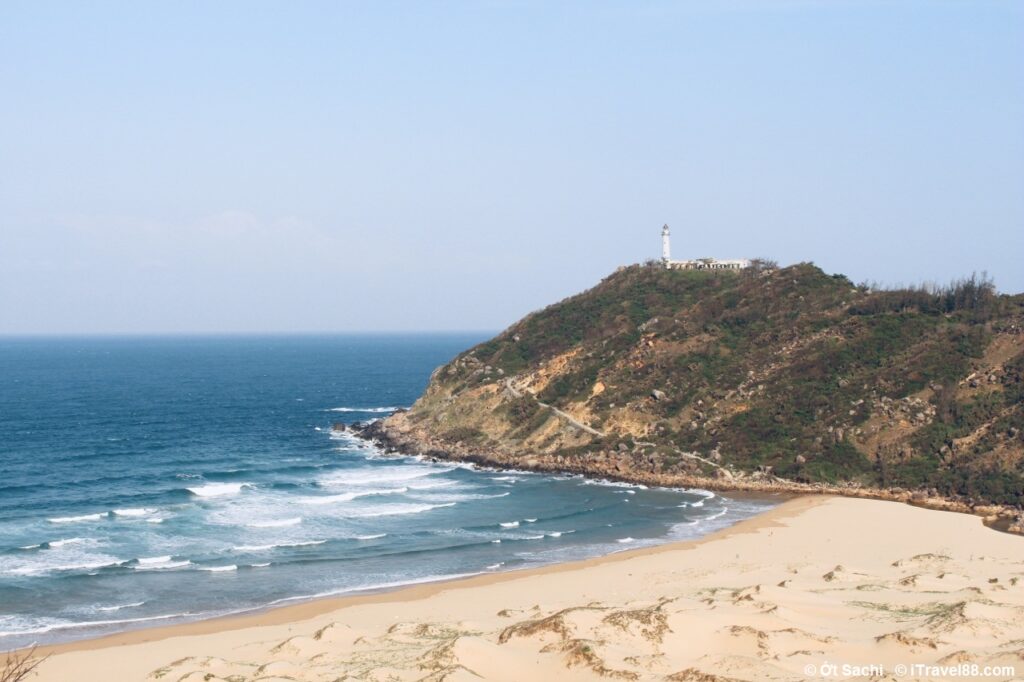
[(365, 410), (457, 497), (56, 568), (398, 509), (534, 537), (158, 520), (72, 625), (76, 519), (626, 540), (509, 524), (277, 523), (496, 566), (509, 472), (371, 537), (119, 607), (530, 520), (706, 494), (163, 566), (217, 489), (348, 497), (261, 565), (354, 479), (611, 484), (54, 544), (698, 503), (496, 542), (432, 484), (138, 511), (150, 561), (264, 548), (218, 569), (254, 548)]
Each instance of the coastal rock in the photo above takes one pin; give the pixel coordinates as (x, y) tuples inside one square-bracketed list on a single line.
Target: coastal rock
[(796, 388)]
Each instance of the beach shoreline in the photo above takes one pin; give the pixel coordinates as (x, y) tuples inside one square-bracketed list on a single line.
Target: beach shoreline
[(809, 581), (304, 609), (308, 607)]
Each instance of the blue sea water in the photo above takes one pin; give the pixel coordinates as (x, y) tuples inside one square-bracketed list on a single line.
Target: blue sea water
[(147, 481)]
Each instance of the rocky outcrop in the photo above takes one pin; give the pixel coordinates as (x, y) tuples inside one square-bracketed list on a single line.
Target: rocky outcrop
[(396, 436), (784, 380)]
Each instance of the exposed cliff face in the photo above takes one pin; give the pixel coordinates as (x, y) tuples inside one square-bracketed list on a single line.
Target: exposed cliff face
[(787, 375)]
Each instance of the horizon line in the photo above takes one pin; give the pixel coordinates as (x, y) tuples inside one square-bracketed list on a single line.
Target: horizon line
[(196, 334)]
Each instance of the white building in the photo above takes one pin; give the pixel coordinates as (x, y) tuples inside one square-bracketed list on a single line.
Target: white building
[(698, 263)]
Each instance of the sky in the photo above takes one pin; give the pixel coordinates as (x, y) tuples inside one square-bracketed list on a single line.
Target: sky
[(234, 167)]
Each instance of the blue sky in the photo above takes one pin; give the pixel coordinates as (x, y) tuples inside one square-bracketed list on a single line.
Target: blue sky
[(308, 166)]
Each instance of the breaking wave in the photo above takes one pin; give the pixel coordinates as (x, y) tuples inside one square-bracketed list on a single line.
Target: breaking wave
[(277, 523), (217, 489), (398, 509), (77, 519), (264, 548), (348, 497), (120, 607)]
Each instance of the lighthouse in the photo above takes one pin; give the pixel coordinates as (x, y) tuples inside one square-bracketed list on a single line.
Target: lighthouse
[(666, 249), (698, 264)]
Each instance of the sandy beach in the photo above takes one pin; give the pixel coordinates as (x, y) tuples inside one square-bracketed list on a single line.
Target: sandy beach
[(818, 588)]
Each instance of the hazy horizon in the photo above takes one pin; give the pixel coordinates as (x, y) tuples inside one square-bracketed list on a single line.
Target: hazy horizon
[(321, 168), (28, 336)]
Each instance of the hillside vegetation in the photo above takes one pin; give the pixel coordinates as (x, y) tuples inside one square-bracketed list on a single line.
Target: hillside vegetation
[(784, 373)]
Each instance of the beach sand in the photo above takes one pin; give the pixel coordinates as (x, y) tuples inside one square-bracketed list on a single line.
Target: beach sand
[(815, 582)]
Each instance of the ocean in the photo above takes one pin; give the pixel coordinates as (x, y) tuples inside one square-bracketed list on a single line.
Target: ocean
[(152, 480)]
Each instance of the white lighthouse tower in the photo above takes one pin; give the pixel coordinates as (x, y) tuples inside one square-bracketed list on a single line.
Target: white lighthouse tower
[(699, 263), (666, 249)]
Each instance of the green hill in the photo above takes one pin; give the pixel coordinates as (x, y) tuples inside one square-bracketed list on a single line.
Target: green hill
[(782, 375)]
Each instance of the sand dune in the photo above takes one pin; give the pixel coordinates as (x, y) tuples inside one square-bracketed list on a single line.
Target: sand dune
[(816, 582)]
